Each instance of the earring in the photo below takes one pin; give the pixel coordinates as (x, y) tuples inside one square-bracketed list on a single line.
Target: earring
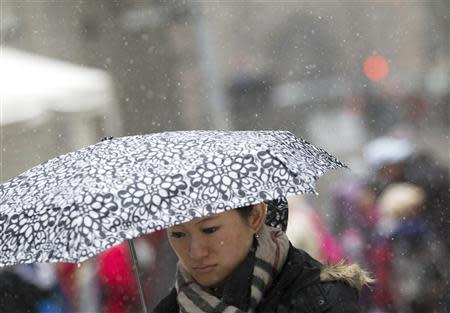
[(257, 236)]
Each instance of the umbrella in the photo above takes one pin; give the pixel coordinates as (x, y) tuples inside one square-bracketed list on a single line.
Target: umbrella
[(75, 206)]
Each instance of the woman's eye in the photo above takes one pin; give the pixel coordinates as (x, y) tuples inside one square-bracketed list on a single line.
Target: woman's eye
[(176, 234), (210, 230)]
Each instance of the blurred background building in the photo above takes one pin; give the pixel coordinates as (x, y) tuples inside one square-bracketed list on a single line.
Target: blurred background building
[(338, 73), (182, 65)]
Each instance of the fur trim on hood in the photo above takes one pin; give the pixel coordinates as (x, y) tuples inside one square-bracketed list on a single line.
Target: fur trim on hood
[(351, 274)]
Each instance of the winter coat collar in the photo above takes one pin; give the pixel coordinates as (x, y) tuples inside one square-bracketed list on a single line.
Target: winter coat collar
[(300, 272), (351, 274)]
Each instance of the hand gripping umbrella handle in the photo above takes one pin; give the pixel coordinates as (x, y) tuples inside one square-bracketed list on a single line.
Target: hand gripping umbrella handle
[(136, 274)]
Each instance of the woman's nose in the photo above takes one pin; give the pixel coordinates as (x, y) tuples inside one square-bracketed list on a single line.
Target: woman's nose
[(197, 249)]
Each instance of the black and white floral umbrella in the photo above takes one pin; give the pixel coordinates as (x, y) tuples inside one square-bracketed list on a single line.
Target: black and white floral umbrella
[(76, 205)]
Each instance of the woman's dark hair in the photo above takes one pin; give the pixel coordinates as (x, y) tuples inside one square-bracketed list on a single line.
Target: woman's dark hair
[(245, 211)]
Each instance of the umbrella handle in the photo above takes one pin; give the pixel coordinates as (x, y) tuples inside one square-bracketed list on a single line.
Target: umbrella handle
[(136, 274)]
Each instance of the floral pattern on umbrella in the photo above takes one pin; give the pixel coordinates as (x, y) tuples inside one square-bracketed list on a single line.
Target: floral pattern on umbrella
[(79, 204)]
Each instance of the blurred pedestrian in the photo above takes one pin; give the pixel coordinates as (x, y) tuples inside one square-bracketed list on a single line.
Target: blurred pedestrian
[(80, 286), (308, 231), (424, 171), (18, 295), (31, 288), (386, 157), (117, 281), (355, 218), (417, 258)]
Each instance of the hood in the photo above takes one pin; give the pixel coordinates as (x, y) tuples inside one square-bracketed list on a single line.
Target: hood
[(352, 274)]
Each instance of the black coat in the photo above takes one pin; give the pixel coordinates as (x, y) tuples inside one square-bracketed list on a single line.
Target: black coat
[(17, 295), (298, 288)]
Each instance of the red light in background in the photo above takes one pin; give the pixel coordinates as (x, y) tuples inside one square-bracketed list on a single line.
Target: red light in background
[(376, 67)]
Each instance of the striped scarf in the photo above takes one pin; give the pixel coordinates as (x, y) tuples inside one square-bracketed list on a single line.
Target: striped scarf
[(271, 253)]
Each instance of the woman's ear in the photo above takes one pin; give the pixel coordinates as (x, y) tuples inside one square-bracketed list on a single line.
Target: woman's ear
[(257, 216)]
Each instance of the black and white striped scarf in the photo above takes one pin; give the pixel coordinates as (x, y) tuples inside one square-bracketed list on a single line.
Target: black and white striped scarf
[(270, 255)]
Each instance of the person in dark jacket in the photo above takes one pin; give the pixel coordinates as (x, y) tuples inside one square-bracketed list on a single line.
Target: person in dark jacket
[(234, 262), (18, 295)]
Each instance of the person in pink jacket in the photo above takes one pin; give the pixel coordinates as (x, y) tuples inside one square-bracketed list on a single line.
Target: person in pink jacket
[(117, 281)]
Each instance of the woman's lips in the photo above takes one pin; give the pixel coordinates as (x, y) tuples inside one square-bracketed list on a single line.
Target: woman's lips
[(204, 269)]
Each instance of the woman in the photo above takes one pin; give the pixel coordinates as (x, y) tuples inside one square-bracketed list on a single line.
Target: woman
[(233, 262)]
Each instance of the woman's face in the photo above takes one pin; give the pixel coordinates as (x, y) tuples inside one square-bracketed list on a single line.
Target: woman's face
[(211, 248)]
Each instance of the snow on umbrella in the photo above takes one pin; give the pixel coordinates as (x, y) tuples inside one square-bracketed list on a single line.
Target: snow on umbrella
[(77, 205)]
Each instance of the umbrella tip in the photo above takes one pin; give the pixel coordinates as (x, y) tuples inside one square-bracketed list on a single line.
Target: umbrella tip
[(106, 138)]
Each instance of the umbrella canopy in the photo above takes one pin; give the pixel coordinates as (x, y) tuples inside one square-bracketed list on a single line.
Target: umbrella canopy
[(79, 204)]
